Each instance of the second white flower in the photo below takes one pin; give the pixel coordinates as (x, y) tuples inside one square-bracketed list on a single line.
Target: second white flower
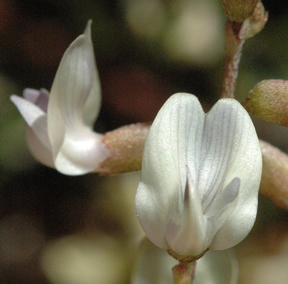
[(200, 176)]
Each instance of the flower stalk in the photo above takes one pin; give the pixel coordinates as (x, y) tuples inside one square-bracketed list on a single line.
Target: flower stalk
[(183, 273), (236, 33), (234, 46), (126, 147)]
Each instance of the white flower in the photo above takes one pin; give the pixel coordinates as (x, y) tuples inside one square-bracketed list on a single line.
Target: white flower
[(153, 265), (60, 127), (200, 176)]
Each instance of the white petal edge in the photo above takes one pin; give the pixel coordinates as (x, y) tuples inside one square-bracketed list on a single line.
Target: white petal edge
[(38, 149), (29, 111), (93, 102), (217, 267), (244, 162), (152, 265), (161, 190), (37, 137), (69, 92), (35, 117)]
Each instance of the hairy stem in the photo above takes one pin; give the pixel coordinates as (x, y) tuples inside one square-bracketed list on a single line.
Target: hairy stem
[(233, 46)]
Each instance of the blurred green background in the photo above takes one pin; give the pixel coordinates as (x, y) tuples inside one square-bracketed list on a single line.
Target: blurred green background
[(60, 229)]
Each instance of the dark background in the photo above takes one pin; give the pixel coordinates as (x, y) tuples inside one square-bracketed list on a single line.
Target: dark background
[(138, 72)]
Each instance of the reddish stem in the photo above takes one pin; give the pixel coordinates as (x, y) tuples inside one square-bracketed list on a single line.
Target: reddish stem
[(233, 46), (184, 273)]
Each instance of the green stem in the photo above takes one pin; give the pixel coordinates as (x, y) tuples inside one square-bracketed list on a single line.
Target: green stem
[(184, 272)]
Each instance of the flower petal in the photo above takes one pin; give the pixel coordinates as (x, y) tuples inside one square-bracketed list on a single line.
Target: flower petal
[(221, 208), (224, 198), (187, 230), (230, 150), (37, 136), (38, 149), (81, 155), (35, 118), (161, 191), (76, 88), (29, 111), (93, 102), (217, 267), (31, 95), (152, 265), (38, 97), (71, 87)]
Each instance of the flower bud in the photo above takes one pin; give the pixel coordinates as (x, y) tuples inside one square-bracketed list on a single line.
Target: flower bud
[(269, 101), (275, 175), (255, 23), (239, 10), (126, 147)]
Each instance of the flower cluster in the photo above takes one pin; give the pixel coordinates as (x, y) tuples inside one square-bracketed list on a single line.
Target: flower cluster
[(200, 172)]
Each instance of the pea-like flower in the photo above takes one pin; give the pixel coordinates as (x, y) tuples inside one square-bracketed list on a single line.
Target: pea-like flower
[(200, 176), (60, 125)]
